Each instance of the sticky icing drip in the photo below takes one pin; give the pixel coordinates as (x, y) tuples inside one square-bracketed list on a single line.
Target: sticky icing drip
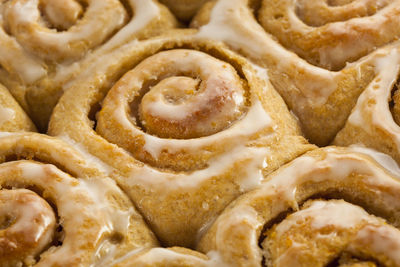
[(249, 178), (324, 35), (94, 199), (188, 107), (383, 159), (232, 22), (100, 19), (372, 109), (223, 138), (79, 29), (27, 226), (245, 222), (333, 223), (91, 160), (144, 11)]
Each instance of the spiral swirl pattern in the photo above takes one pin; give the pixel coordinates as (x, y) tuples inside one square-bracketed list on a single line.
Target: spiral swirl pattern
[(332, 205), (318, 53), (46, 43), (58, 208), (177, 94), (28, 226), (25, 23), (374, 120), (181, 118), (324, 33), (186, 104)]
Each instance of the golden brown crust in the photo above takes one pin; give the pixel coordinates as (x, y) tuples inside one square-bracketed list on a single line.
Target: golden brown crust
[(61, 207), (161, 173), (41, 50), (293, 233), (373, 120), (311, 74)]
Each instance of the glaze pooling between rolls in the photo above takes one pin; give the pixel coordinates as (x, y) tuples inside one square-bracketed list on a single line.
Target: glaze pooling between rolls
[(69, 215), (46, 44), (318, 70), (372, 121), (175, 124), (291, 232), (197, 96), (179, 118)]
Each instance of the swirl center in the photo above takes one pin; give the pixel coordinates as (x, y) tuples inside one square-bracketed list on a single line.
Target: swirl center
[(61, 14), (28, 225), (205, 100), (319, 233)]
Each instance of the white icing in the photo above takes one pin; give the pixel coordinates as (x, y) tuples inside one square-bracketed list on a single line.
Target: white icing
[(215, 81), (32, 171), (232, 22), (90, 159), (251, 176), (15, 60), (6, 115), (101, 18), (382, 240), (261, 73), (383, 159), (344, 50), (6, 134), (144, 12), (338, 216), (372, 108), (336, 165), (336, 213), (243, 222), (34, 220), (104, 216), (255, 120)]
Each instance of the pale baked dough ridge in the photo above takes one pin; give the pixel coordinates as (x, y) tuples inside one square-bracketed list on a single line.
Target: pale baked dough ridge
[(59, 208), (329, 205), (45, 44), (320, 97), (249, 126)]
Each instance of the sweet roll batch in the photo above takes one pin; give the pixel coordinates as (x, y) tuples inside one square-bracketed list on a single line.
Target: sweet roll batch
[(199, 133)]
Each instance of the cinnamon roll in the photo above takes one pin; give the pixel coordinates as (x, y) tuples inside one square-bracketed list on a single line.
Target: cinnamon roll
[(331, 206), (318, 53), (374, 120), (189, 125), (12, 117), (45, 44), (57, 207)]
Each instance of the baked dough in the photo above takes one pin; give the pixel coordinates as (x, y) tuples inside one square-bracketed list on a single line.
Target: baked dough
[(45, 44), (318, 53), (188, 124), (324, 205), (58, 208)]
